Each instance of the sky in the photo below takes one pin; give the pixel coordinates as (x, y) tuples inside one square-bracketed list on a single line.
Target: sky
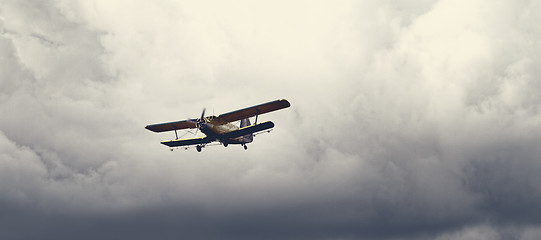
[(414, 119)]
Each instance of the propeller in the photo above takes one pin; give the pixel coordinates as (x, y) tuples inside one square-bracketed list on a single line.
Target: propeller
[(202, 118), (200, 121)]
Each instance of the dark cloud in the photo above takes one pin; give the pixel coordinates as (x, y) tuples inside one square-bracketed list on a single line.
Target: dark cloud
[(415, 120)]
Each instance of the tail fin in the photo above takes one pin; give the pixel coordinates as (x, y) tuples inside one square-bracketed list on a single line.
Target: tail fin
[(249, 137)]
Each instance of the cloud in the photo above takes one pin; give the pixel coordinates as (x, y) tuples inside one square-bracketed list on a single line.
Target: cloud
[(415, 120)]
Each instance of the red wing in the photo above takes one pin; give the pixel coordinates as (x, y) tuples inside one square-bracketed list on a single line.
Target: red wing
[(170, 126), (255, 110)]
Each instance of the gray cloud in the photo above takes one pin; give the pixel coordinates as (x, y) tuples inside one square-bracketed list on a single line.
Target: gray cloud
[(415, 120)]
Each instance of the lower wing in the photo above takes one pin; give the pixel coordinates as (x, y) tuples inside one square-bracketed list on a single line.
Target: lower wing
[(186, 142), (234, 134)]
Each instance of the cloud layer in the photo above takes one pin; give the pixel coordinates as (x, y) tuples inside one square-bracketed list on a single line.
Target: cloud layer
[(415, 120)]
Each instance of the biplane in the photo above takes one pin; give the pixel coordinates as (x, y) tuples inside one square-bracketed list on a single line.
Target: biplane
[(221, 128)]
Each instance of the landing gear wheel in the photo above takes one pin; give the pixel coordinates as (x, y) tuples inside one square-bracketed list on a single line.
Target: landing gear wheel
[(198, 148), (245, 147), (225, 144)]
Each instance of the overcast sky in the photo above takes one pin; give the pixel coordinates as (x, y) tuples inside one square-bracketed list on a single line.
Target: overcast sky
[(409, 120)]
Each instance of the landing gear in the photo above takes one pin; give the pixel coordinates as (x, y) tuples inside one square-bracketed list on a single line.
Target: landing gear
[(245, 147), (198, 147), (225, 144)]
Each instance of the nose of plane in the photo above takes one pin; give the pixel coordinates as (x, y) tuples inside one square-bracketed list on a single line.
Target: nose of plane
[(206, 125)]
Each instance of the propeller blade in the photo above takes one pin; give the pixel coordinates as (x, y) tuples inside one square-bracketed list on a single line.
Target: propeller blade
[(199, 121), (202, 115)]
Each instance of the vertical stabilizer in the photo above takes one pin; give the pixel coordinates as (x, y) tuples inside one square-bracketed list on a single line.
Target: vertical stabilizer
[(249, 137)]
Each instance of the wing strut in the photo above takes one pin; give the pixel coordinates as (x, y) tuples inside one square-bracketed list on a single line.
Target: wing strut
[(258, 111)]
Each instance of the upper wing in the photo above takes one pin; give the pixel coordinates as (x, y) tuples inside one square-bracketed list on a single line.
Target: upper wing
[(170, 126), (227, 117), (186, 142), (249, 129), (255, 110)]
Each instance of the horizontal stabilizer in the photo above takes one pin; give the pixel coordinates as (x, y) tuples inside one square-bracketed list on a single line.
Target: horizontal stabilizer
[(249, 130), (186, 142)]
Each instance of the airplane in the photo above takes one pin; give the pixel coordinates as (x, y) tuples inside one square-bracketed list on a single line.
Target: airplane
[(220, 128)]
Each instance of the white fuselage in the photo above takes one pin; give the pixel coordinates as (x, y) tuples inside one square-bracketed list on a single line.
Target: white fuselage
[(215, 128)]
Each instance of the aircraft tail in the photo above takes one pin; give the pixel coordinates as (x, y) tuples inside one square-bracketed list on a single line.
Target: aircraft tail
[(249, 137)]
